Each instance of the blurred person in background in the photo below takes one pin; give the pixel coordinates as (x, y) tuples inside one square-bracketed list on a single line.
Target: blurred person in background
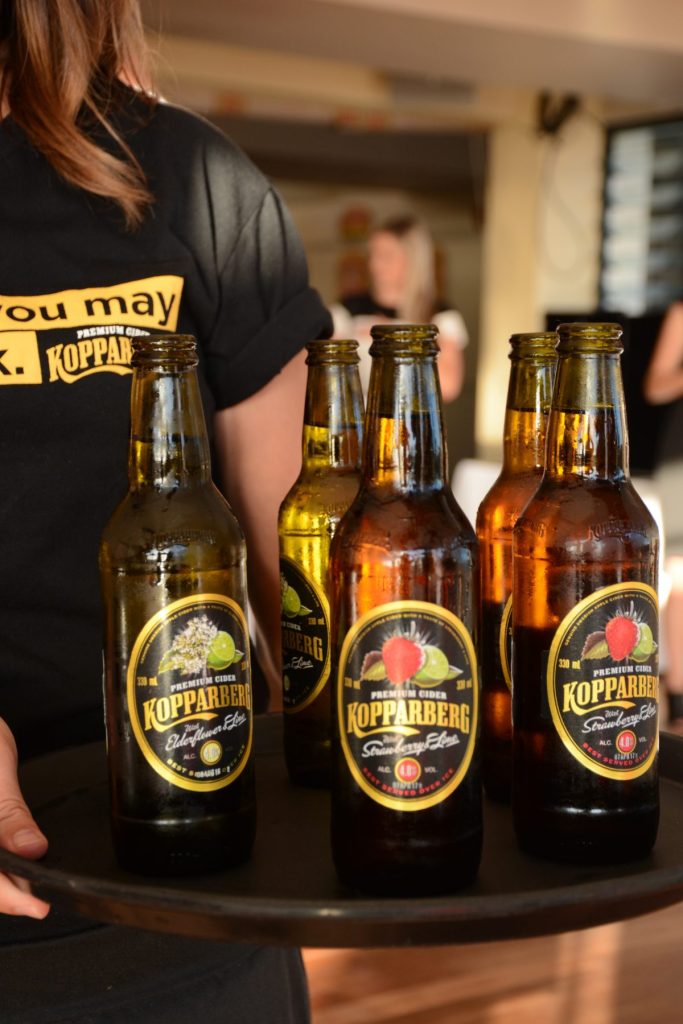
[(663, 384), (403, 288)]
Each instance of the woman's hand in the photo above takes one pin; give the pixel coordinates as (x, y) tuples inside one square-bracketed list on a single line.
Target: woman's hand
[(18, 833)]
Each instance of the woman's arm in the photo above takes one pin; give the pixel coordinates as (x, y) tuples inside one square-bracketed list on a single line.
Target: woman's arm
[(258, 443), (451, 367), (453, 339), (664, 377)]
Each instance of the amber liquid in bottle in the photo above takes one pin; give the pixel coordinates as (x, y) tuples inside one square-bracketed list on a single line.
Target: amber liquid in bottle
[(406, 792), (176, 650), (309, 515), (533, 360), (584, 652)]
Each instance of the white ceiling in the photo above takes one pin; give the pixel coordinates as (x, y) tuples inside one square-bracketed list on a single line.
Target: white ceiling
[(628, 50)]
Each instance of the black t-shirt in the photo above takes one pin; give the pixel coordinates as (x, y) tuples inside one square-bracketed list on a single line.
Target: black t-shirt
[(218, 258), (363, 304)]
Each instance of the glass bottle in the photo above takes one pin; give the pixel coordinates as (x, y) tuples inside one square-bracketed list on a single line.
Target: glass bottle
[(406, 794), (328, 482), (585, 626), (176, 653), (532, 371)]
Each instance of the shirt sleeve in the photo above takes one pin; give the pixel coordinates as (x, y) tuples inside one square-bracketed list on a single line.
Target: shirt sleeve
[(267, 309), (342, 321), (452, 327)]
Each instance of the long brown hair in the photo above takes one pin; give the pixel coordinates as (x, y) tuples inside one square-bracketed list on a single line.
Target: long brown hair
[(61, 67)]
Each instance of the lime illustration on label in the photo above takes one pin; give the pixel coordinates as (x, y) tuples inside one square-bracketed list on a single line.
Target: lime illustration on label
[(305, 636), (505, 643), (407, 701), (603, 680), (189, 692), (290, 601)]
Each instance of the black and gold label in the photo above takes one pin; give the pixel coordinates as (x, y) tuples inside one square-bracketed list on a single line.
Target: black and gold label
[(305, 636), (505, 643), (407, 701), (603, 680), (189, 692)]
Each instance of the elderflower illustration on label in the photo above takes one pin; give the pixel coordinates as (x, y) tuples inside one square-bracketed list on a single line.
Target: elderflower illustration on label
[(201, 645)]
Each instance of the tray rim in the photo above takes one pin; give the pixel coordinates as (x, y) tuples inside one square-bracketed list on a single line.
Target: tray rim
[(315, 921)]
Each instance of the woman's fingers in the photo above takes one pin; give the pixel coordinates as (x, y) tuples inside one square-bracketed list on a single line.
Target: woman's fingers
[(17, 902), (18, 833)]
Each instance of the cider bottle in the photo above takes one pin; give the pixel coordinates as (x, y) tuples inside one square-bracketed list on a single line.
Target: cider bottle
[(585, 626), (176, 653), (406, 793), (532, 370), (309, 515)]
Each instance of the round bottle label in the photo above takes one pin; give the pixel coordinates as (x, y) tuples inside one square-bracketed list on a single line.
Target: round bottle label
[(407, 702), (603, 680), (305, 637), (505, 643), (189, 692)]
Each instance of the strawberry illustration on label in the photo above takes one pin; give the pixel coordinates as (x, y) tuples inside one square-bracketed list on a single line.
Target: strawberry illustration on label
[(403, 658), (624, 636), (621, 634)]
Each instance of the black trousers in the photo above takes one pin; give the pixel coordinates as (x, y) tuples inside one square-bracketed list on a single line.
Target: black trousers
[(108, 975)]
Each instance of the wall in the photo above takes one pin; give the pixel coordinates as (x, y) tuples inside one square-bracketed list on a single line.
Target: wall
[(541, 242)]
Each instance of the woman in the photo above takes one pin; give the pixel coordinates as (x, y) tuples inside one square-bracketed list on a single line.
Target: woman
[(120, 216), (403, 288)]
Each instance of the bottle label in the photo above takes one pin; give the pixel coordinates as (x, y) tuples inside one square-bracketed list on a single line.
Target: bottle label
[(407, 701), (305, 637), (603, 680), (505, 643), (189, 692)]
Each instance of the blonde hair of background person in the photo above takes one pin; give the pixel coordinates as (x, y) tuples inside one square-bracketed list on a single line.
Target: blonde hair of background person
[(401, 266), (663, 383), (61, 63)]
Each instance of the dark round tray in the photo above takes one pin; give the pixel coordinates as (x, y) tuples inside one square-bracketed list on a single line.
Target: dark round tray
[(288, 893)]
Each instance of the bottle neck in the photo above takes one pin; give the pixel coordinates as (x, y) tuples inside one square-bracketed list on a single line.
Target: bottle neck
[(169, 447), (333, 417), (404, 445), (587, 434), (526, 413)]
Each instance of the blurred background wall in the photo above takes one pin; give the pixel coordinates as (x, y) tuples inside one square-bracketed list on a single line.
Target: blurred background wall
[(488, 120)]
